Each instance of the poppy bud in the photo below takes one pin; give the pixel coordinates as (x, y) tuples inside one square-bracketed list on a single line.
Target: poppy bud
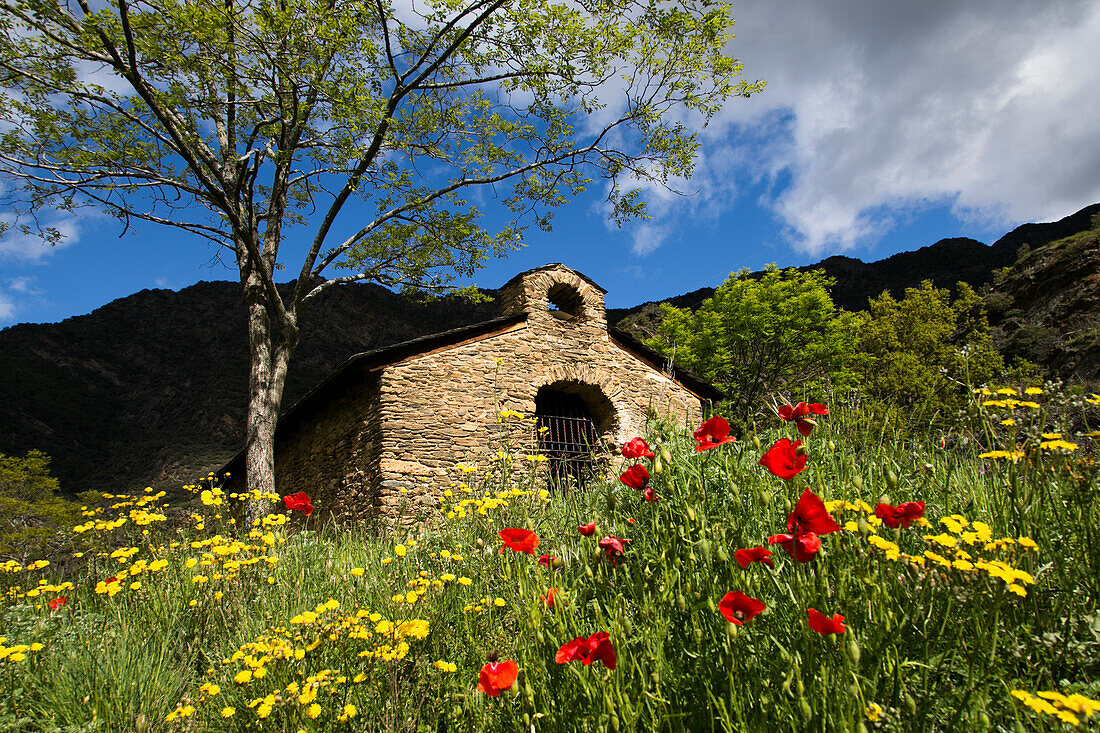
[(786, 687), (765, 499), (691, 514), (802, 450), (805, 709), (723, 556), (588, 572), (681, 603), (983, 721), (853, 649), (832, 446), (698, 636), (710, 604), (614, 722), (628, 628), (666, 455), (861, 525), (756, 443), (480, 543), (658, 467), (540, 637), (910, 704), (731, 630), (891, 480), (1020, 727), (860, 727), (556, 563), (801, 687), (857, 481)]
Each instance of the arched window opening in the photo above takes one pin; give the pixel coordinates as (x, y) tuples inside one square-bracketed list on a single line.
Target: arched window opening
[(569, 429), (566, 302)]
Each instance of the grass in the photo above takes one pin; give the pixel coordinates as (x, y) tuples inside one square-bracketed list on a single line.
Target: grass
[(982, 614)]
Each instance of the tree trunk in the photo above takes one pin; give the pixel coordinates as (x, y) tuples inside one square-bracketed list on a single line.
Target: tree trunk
[(269, 354)]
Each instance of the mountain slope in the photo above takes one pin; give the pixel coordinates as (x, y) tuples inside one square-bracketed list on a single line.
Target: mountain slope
[(151, 389)]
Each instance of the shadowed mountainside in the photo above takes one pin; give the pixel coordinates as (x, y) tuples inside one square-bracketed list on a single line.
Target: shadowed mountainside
[(151, 389)]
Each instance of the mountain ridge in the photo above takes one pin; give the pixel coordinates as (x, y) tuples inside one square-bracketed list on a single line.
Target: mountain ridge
[(151, 389)]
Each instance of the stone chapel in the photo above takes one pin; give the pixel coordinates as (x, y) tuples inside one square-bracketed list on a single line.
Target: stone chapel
[(383, 433)]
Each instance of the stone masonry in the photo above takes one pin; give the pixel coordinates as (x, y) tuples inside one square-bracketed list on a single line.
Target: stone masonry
[(384, 434)]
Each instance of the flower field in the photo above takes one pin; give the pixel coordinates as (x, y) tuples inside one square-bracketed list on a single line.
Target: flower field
[(819, 573)]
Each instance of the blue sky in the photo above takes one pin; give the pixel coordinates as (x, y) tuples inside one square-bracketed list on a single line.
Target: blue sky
[(884, 127)]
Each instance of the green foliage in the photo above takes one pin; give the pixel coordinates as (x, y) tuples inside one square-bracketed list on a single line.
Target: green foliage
[(780, 332), (924, 351), (31, 516)]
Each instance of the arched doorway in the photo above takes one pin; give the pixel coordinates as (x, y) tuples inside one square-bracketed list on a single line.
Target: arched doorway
[(571, 418)]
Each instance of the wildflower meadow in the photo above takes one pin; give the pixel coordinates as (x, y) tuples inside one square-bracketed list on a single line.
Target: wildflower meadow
[(819, 572)]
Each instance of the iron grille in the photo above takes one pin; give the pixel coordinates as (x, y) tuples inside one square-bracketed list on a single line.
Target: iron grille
[(567, 436)]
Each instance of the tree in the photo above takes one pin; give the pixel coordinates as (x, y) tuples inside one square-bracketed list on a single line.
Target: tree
[(32, 518), (924, 351), (778, 331), (253, 123)]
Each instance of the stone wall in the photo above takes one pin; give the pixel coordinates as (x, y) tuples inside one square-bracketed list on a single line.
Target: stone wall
[(332, 453), (443, 408), (386, 437)]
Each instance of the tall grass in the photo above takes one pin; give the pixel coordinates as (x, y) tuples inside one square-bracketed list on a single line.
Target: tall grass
[(952, 623)]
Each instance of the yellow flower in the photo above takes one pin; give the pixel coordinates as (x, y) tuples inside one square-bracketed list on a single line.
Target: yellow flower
[(873, 712), (498, 602), (313, 711), (357, 571), (445, 666), (227, 712), (464, 581), (242, 677)]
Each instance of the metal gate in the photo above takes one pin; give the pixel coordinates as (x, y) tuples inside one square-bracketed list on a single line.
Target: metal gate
[(567, 436)]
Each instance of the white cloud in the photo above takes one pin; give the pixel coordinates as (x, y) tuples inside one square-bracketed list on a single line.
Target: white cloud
[(990, 107), (7, 308), (875, 110), (28, 247), (12, 292)]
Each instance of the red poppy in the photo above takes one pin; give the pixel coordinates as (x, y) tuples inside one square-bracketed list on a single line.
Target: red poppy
[(713, 433), (520, 540), (784, 459), (496, 677), (801, 415), (56, 603), (630, 520), (636, 448), (547, 560), (649, 494), (739, 608), (636, 477), (613, 546), (822, 624), (901, 515), (596, 648), (745, 558), (587, 530), (801, 546), (810, 515), (299, 502), (549, 599)]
